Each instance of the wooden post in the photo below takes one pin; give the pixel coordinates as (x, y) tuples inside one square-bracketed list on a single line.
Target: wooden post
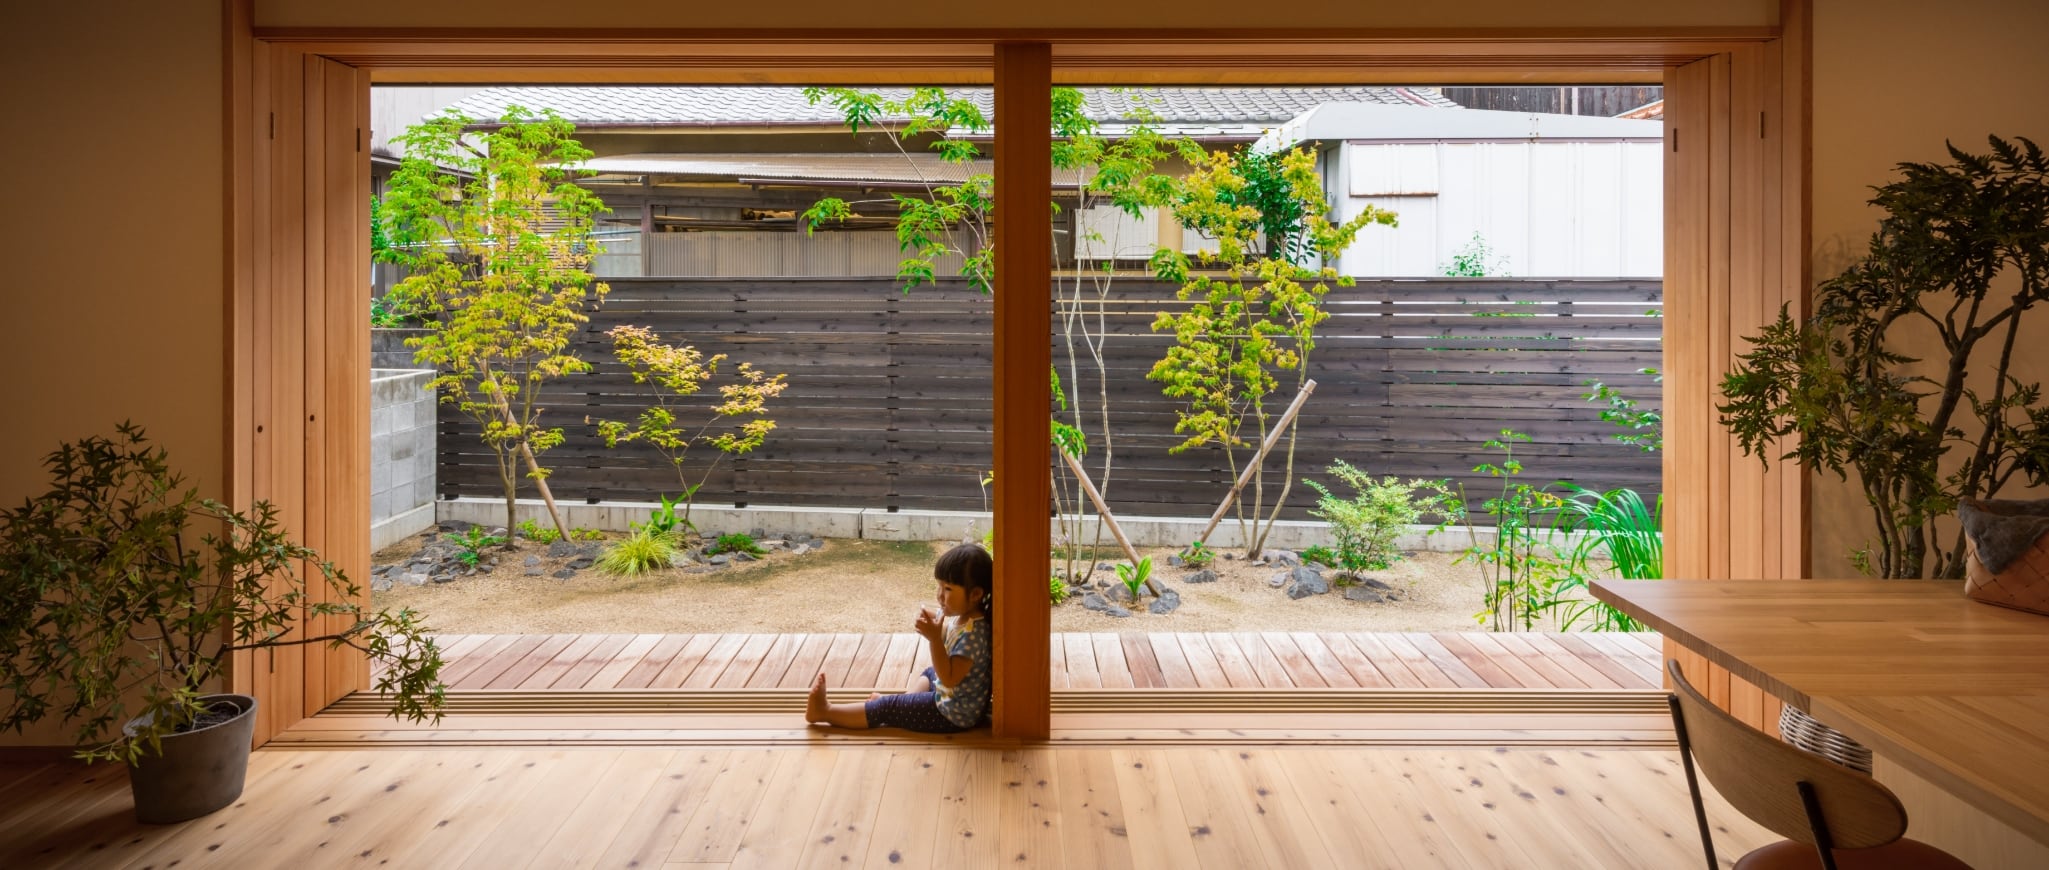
[(1024, 395), (1244, 476)]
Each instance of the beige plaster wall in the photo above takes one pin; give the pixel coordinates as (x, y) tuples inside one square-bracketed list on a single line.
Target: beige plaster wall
[(113, 305), (1892, 80)]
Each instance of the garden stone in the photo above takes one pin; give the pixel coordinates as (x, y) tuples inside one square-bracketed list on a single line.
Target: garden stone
[(532, 561), (1366, 594), (499, 532), (1095, 601), (1203, 576), (1373, 583), (1119, 593), (534, 572), (444, 578), (415, 578), (721, 559), (579, 563), (564, 574), (800, 549), (1118, 612), (1175, 561), (1283, 558), (746, 557), (757, 533), (1278, 580), (680, 560), (1306, 581), (561, 548), (1168, 600), (381, 583), (456, 526)]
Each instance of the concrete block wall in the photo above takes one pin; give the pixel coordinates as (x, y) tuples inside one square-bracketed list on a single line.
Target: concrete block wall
[(401, 454)]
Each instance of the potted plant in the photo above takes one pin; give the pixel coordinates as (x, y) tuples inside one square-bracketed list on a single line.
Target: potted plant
[(123, 596)]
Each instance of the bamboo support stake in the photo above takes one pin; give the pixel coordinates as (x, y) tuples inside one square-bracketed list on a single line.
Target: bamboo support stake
[(1244, 476), (1103, 510)]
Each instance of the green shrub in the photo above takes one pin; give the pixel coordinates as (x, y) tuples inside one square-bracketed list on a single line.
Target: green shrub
[(735, 542), (1198, 555), (1059, 589), (583, 534), (639, 553), (1134, 576), (1367, 524), (532, 531), (471, 544), (1618, 524)]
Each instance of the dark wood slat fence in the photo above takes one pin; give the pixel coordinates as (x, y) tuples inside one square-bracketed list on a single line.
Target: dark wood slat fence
[(889, 403)]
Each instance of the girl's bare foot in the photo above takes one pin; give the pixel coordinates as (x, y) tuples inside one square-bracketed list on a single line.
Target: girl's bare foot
[(815, 706), (874, 696)]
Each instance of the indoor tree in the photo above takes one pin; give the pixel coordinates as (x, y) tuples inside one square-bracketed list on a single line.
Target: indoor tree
[(1960, 255), (496, 237)]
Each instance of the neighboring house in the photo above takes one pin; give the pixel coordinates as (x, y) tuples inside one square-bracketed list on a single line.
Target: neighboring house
[(711, 181), (1553, 196)]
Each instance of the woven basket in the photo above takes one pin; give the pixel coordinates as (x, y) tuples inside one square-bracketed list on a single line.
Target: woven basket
[(1805, 732), (2024, 585)]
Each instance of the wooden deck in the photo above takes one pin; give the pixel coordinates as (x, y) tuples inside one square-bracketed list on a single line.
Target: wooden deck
[(1160, 660)]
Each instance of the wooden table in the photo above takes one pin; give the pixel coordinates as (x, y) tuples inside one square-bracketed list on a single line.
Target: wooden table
[(1953, 691)]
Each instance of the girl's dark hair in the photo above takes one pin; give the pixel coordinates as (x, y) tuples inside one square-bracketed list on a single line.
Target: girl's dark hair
[(970, 567)]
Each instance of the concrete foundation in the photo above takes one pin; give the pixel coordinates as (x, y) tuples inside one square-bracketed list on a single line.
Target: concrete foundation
[(882, 525), (401, 454)]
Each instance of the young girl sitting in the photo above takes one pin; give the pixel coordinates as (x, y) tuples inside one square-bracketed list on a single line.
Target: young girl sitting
[(953, 694)]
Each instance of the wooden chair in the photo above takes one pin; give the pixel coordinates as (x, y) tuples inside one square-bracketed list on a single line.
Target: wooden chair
[(1831, 816)]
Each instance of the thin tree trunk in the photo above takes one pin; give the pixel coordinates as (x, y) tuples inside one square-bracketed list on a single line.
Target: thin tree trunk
[(1245, 474)]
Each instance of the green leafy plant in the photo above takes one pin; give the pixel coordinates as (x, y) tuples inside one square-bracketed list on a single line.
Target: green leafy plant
[(1198, 555), (497, 240), (1318, 554), (1615, 524), (471, 543), (1476, 259), (107, 599), (665, 522), (1518, 567), (583, 534), (1244, 330), (532, 531), (1367, 524), (1643, 429), (735, 542), (1058, 588), (1134, 576), (639, 553), (384, 314), (680, 371), (1961, 254)]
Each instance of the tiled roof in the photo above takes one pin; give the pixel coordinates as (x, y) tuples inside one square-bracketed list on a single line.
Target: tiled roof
[(881, 169), (1224, 109)]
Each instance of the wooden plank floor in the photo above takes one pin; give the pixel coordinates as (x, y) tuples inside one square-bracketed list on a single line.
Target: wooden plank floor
[(910, 806), (1162, 660)]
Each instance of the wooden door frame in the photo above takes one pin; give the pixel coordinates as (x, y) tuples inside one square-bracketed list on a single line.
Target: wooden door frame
[(1025, 60)]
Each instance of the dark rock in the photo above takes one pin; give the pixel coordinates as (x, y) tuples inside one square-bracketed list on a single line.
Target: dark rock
[(456, 526), (589, 550), (534, 572), (579, 563), (1095, 601), (1230, 555), (1366, 594), (721, 559), (381, 583), (1118, 592), (382, 570), (1175, 561), (746, 557), (415, 578), (800, 549), (500, 532), (1372, 583), (561, 548), (564, 574), (1203, 576), (444, 578), (1278, 580), (532, 561), (1283, 558), (680, 560), (1305, 581), (1117, 612), (1168, 600)]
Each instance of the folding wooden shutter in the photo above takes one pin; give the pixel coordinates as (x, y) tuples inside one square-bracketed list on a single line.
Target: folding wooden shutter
[(1733, 256), (300, 317)]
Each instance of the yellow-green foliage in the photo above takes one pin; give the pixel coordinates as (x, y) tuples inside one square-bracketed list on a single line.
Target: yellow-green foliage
[(639, 553), (496, 238), (679, 372)]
